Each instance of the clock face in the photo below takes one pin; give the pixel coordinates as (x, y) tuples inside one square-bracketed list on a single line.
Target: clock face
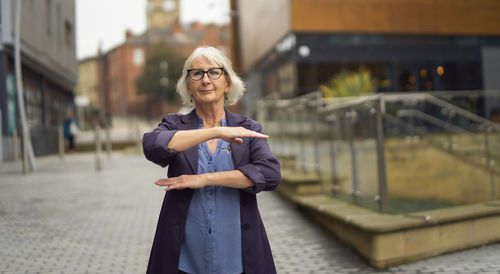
[(169, 5)]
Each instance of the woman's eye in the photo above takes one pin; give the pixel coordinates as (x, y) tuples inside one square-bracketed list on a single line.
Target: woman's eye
[(214, 71), (197, 73)]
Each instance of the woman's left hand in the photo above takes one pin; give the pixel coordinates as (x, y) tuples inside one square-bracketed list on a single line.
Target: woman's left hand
[(182, 182)]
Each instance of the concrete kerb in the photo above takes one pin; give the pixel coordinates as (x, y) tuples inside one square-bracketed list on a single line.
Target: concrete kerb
[(387, 240)]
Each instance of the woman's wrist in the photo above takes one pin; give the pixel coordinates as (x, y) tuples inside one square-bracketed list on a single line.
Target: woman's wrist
[(215, 132), (206, 179)]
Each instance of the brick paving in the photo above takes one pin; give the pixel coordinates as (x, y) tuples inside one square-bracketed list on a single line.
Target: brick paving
[(68, 218)]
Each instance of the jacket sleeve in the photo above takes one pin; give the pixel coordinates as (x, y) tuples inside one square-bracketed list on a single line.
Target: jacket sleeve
[(154, 144), (264, 168)]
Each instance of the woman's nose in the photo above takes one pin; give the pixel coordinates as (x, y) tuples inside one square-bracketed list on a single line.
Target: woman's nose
[(205, 78)]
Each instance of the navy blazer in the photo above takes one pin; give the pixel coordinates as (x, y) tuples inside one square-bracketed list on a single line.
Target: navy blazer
[(253, 158)]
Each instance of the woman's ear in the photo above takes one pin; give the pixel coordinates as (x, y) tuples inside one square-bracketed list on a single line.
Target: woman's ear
[(228, 86), (188, 88)]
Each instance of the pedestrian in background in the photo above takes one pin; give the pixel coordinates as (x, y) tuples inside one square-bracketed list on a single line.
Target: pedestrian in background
[(217, 162), (70, 129)]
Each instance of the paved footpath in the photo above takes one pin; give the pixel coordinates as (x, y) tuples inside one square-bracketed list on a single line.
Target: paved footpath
[(68, 218)]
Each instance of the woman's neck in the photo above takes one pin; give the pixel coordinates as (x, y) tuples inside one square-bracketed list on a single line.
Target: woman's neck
[(210, 115)]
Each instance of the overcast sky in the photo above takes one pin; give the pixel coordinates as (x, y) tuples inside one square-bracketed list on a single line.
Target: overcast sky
[(105, 21)]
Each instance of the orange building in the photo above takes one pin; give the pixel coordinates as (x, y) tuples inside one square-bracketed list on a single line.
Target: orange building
[(290, 47)]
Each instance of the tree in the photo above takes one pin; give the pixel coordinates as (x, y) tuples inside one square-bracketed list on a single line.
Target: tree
[(162, 70), (350, 84)]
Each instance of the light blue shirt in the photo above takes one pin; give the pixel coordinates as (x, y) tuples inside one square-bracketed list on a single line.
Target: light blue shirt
[(212, 236)]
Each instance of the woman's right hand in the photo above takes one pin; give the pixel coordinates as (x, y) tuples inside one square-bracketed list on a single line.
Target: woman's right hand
[(236, 134)]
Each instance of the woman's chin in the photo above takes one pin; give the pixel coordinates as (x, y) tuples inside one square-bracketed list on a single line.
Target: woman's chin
[(209, 100)]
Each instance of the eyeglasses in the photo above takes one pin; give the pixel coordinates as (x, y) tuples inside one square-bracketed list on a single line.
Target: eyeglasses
[(198, 74)]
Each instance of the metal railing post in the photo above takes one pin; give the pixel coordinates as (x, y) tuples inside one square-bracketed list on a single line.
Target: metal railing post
[(351, 117), (488, 161), (382, 176), (315, 133), (332, 120), (289, 143), (301, 109), (449, 136)]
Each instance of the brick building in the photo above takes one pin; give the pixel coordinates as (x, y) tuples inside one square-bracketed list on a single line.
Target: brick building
[(120, 67)]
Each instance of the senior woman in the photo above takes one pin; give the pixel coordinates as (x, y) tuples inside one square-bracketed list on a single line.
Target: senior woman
[(217, 162)]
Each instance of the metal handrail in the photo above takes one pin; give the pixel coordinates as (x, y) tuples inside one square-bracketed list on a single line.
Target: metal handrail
[(349, 104), (463, 112), (431, 119), (433, 99)]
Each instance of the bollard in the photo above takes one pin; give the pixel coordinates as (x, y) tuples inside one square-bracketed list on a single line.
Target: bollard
[(98, 164), (108, 141), (138, 139), (15, 146), (26, 168), (60, 142)]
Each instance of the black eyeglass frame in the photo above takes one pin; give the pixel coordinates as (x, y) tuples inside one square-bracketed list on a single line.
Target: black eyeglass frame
[(205, 72)]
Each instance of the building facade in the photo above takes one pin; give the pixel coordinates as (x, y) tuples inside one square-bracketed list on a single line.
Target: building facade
[(408, 45), (124, 65), (49, 70), (88, 81), (119, 68)]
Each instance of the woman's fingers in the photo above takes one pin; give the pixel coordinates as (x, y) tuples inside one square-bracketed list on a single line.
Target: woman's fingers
[(170, 183), (166, 181), (238, 141), (236, 134), (181, 182)]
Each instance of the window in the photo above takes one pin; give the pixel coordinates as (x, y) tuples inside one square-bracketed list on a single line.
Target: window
[(138, 57), (68, 33), (49, 17), (59, 24)]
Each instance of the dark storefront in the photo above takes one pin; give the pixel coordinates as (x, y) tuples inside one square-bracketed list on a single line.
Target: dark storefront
[(46, 103), (399, 62)]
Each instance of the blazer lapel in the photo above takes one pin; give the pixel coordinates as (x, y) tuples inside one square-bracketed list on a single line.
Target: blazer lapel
[(190, 121), (238, 151)]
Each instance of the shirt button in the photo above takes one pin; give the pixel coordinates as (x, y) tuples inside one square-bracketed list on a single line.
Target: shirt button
[(246, 227)]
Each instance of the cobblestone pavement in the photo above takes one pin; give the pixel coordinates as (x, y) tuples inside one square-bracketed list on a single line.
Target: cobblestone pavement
[(68, 218)]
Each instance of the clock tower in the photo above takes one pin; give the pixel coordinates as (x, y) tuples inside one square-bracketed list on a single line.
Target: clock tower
[(162, 13)]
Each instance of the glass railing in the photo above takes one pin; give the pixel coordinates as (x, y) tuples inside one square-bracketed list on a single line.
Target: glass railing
[(396, 153)]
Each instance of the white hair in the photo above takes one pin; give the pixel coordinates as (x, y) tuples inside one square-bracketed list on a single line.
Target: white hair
[(214, 56)]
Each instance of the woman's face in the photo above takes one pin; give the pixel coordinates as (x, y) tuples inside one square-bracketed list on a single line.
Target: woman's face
[(207, 90)]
